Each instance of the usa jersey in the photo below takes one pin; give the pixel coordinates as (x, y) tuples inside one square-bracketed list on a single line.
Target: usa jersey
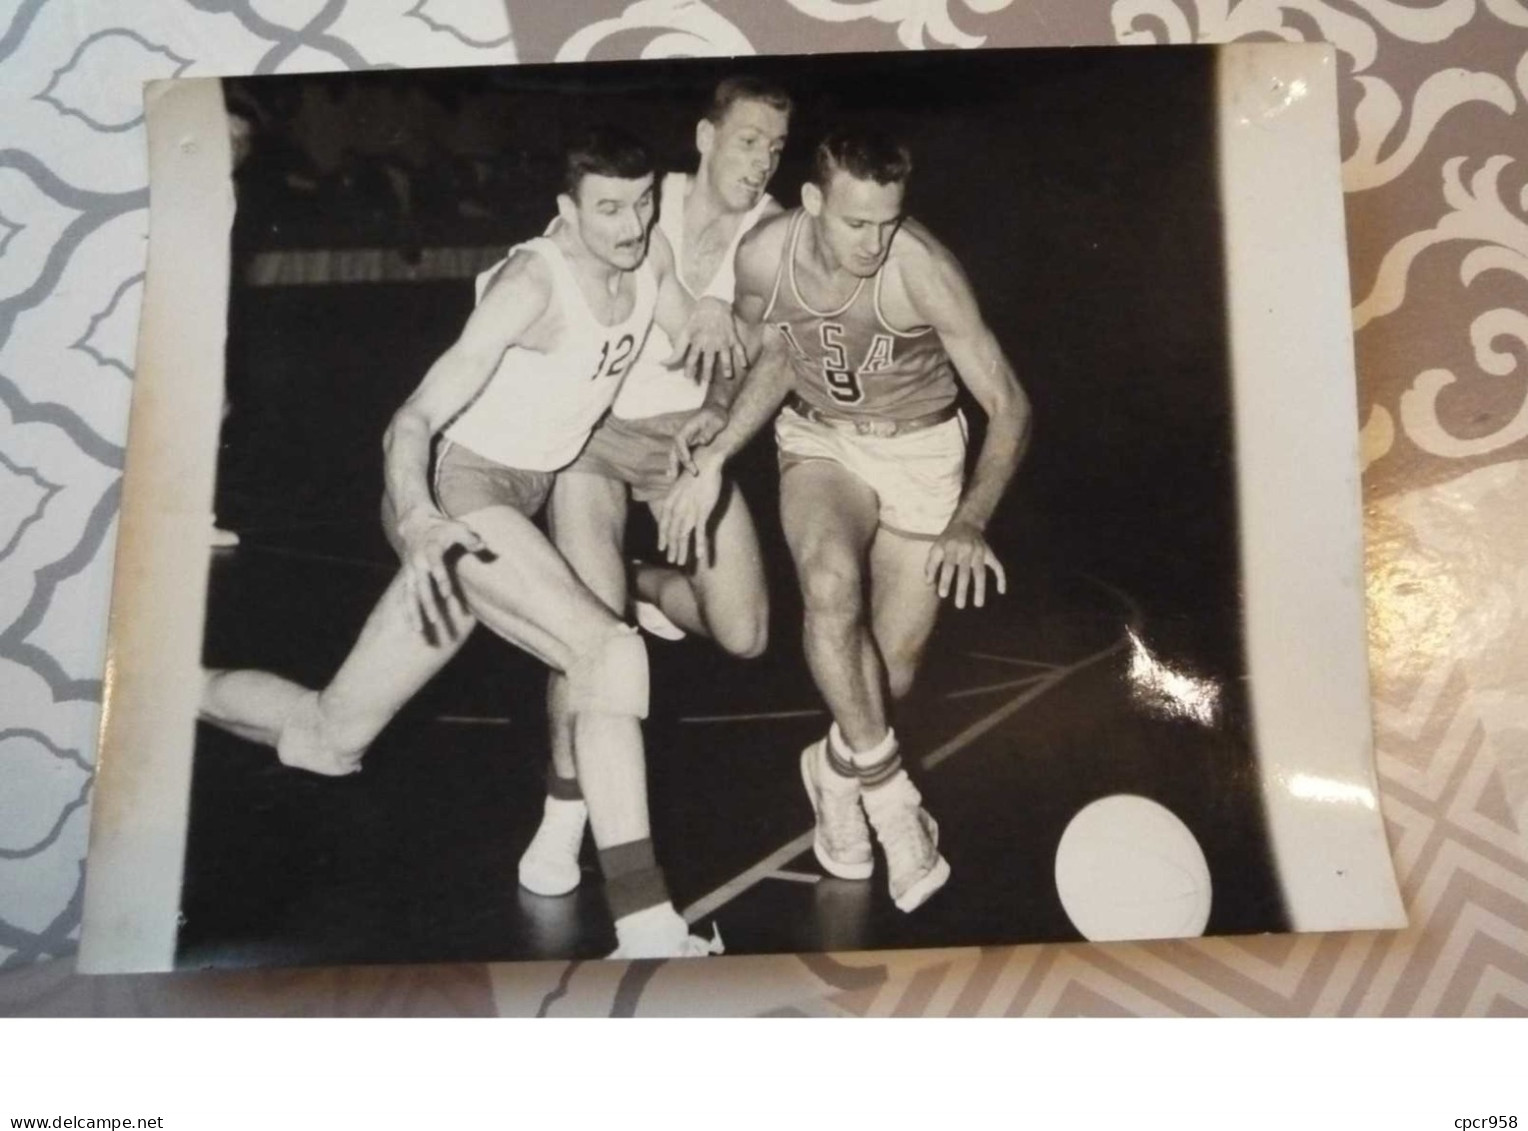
[(538, 408), (851, 362)]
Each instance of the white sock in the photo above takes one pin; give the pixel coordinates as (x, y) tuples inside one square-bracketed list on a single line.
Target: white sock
[(872, 757), (573, 808)]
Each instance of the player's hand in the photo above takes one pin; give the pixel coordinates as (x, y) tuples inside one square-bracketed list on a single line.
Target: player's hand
[(428, 539), (686, 510), (961, 556), (709, 343), (696, 432)]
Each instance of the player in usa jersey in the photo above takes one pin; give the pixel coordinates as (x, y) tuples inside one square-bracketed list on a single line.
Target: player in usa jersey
[(867, 323), (512, 401), (704, 216)]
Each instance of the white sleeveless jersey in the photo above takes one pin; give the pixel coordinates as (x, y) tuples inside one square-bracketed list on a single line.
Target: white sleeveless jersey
[(650, 389), (538, 408)]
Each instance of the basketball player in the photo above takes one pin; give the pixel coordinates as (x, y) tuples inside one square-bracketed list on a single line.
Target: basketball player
[(537, 364), (867, 320), (704, 216)]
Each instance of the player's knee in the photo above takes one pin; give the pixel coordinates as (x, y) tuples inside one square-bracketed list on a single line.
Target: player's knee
[(831, 588), (745, 637), (611, 678), (902, 663), (900, 677)]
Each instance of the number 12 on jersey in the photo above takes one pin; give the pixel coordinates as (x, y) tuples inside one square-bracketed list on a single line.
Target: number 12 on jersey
[(613, 365)]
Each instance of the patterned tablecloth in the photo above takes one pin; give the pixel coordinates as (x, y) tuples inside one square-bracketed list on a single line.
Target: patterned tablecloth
[(1435, 145)]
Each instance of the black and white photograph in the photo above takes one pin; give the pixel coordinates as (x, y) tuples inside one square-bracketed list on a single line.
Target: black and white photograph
[(735, 506)]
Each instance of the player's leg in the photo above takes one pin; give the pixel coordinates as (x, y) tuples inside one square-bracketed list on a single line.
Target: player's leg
[(522, 589), (586, 517), (328, 731), (897, 473), (830, 519), (918, 480), (254, 705), (904, 606), (525, 591), (726, 598)]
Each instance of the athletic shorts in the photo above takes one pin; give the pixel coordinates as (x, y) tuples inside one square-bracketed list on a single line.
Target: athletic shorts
[(465, 482), (634, 452), (917, 477)]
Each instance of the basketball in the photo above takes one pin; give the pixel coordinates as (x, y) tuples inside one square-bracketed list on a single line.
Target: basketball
[(1128, 868)]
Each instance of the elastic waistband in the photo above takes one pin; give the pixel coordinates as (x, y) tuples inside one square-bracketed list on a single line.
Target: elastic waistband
[(865, 426)]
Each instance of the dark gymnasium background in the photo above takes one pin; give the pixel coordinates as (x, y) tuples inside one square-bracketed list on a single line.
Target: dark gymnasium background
[(1078, 189)]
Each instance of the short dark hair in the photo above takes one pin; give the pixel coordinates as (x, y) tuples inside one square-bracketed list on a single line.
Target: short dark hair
[(746, 88), (604, 151), (866, 155)]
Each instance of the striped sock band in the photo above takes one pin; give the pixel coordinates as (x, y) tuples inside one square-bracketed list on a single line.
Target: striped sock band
[(882, 772), (838, 757), (633, 881), (561, 788), (873, 767)]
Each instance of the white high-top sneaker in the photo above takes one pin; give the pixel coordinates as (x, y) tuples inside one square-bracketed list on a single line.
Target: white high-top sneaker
[(549, 865), (842, 840), (910, 838), (660, 932)]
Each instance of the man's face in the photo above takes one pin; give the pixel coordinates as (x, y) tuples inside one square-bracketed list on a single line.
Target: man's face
[(743, 151), (614, 217), (856, 220)]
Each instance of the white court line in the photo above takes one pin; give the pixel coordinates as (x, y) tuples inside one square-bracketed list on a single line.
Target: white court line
[(311, 556), (796, 877), (488, 720), (745, 880), (1013, 660), (293, 525), (988, 688), (772, 863), (983, 725), (805, 714)]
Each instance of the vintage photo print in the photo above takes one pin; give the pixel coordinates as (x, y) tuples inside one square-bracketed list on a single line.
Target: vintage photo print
[(661, 509)]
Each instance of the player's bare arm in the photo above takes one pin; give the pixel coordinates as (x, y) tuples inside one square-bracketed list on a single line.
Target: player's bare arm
[(702, 427), (705, 339), (711, 417), (753, 271), (509, 314), (936, 293), (687, 508), (679, 315), (713, 322), (709, 344), (673, 307)]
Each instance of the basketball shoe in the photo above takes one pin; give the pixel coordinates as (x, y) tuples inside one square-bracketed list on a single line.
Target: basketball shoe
[(549, 865), (841, 842), (910, 839), (660, 932)]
